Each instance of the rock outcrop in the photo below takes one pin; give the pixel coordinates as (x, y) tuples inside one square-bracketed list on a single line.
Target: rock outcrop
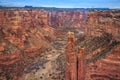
[(81, 63), (71, 58), (102, 58), (103, 21), (75, 63), (93, 61), (67, 19), (90, 23), (24, 34), (107, 68)]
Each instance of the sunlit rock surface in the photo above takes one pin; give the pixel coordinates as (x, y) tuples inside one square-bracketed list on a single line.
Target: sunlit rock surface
[(24, 34), (34, 45)]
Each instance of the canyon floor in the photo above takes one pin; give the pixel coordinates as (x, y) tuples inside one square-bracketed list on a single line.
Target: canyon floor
[(52, 63), (34, 44), (101, 64)]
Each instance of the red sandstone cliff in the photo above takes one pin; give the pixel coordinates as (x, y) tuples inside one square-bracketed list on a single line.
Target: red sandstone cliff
[(81, 64), (103, 21), (107, 68), (24, 34), (91, 23), (66, 19), (99, 59), (71, 59)]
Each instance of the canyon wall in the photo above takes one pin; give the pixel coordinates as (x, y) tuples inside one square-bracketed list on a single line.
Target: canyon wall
[(107, 68), (17, 25), (90, 23), (67, 19), (97, 59), (103, 21), (24, 34)]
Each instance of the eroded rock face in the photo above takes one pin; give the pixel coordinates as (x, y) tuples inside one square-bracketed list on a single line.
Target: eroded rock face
[(81, 63), (23, 35), (93, 61), (71, 59), (67, 19), (103, 21), (92, 23), (75, 61), (17, 25), (107, 68), (101, 58)]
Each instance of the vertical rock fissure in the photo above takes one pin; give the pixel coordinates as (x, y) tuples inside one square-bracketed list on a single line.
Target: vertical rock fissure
[(75, 63)]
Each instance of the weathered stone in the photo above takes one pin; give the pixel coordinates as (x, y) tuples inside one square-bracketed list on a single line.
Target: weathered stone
[(71, 60), (81, 64)]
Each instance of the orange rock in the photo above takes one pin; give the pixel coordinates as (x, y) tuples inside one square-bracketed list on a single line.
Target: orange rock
[(71, 60), (22, 30), (81, 63)]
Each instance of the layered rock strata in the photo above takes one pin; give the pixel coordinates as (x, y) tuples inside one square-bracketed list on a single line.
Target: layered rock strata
[(24, 34), (90, 23), (81, 62), (71, 60), (75, 63)]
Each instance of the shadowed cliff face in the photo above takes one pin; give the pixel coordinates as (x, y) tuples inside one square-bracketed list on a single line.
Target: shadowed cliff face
[(67, 19), (91, 23)]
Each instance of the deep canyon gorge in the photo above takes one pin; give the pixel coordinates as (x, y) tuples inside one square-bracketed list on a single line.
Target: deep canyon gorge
[(38, 44)]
